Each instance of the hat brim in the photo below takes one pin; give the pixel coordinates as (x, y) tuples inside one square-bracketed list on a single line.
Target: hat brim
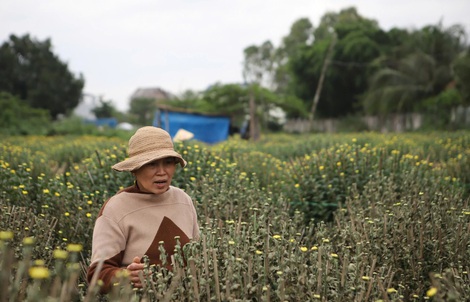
[(135, 162)]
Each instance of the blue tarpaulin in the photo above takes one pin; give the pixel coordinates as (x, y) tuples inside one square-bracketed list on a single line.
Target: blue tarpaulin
[(206, 128), (110, 122)]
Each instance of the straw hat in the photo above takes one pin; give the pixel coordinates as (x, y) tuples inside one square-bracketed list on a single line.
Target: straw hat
[(146, 145)]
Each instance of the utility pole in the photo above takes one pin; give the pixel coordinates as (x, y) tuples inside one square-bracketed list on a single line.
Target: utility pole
[(326, 63)]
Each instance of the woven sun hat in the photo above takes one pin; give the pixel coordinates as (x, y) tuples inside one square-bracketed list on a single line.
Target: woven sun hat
[(146, 145)]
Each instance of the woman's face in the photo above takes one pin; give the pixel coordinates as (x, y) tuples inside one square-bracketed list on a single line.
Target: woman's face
[(155, 177)]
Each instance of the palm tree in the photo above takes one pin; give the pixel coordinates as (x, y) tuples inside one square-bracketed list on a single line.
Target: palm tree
[(402, 83), (399, 89)]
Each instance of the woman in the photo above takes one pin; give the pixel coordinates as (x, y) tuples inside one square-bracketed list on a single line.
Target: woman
[(133, 222)]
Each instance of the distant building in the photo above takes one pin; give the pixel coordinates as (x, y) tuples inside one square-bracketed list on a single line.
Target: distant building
[(154, 93)]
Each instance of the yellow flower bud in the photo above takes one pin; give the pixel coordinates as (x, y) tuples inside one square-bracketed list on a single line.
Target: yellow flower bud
[(39, 272)]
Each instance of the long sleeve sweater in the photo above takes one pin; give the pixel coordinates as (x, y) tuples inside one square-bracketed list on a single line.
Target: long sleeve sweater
[(132, 223)]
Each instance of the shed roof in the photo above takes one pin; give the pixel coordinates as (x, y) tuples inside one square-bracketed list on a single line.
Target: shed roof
[(151, 93)]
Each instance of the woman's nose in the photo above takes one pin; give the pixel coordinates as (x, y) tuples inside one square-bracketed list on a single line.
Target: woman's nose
[(159, 168)]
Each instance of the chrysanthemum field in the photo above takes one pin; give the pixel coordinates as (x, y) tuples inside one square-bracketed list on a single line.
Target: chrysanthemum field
[(319, 217)]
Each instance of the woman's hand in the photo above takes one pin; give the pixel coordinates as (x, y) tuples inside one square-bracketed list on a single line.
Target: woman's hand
[(134, 268)]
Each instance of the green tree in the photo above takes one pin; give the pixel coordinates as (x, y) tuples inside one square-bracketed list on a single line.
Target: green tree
[(399, 89), (17, 117), (300, 35), (105, 109), (30, 70), (437, 110), (143, 109), (229, 99), (233, 100), (462, 76), (259, 64), (416, 70), (257, 70), (188, 99), (358, 43)]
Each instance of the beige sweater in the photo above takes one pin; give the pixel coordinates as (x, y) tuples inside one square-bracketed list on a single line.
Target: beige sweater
[(132, 223)]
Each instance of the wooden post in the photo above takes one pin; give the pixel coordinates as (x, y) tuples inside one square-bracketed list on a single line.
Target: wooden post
[(254, 131)]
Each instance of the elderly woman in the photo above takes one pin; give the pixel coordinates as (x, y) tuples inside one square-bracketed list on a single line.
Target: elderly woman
[(133, 222)]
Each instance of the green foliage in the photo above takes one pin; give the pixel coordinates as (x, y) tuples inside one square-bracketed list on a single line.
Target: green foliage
[(232, 100), (352, 123), (30, 70), (372, 71), (193, 100), (437, 110), (418, 69), (444, 44), (229, 99), (75, 125), (462, 72), (301, 33), (258, 64), (401, 89), (72, 125), (17, 118), (306, 68), (359, 43), (105, 109), (143, 110), (395, 197)]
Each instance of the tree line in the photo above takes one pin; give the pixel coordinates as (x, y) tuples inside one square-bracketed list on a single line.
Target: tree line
[(346, 65)]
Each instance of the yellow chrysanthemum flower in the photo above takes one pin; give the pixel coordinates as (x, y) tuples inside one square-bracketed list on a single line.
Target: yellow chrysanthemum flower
[(39, 272), (39, 262), (431, 292), (28, 241), (74, 247), (6, 235), (391, 290), (60, 254)]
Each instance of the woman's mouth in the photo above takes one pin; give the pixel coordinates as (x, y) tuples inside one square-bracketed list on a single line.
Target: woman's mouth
[(160, 182)]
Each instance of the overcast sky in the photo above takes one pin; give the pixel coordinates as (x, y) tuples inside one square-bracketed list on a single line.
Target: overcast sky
[(121, 45)]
